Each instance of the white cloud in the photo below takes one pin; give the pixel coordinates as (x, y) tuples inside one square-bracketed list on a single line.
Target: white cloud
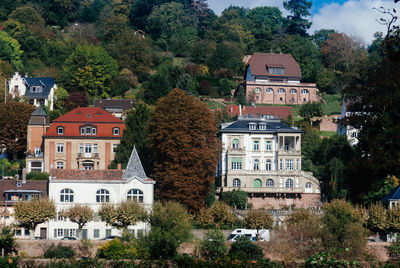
[(356, 18)]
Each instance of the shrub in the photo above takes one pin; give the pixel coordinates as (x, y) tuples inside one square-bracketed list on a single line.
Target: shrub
[(258, 219), (37, 176), (394, 251), (59, 252), (7, 240), (218, 215), (85, 248), (213, 245), (236, 198), (9, 262), (244, 249), (115, 250)]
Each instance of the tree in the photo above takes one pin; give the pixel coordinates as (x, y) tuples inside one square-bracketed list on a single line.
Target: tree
[(321, 36), (296, 23), (227, 55), (122, 215), (89, 69), (235, 198), (241, 96), (182, 137), (214, 244), (10, 50), (30, 214), (377, 218), (244, 249), (8, 242), (311, 109), (14, 118), (258, 219), (80, 214), (218, 215)]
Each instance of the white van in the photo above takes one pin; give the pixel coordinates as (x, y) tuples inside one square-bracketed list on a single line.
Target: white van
[(250, 233)]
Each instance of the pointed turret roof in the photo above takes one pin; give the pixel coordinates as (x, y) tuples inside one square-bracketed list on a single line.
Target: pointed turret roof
[(134, 168), (39, 112), (39, 117)]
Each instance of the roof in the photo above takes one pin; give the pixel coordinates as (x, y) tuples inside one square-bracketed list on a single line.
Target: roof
[(259, 62), (46, 82), (39, 112), (93, 116), (124, 105), (86, 175), (393, 195), (29, 186), (279, 111), (134, 167), (39, 117), (272, 126)]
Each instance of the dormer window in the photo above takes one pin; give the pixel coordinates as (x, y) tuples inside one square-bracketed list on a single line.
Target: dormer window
[(252, 126), (263, 126), (88, 130), (276, 70), (116, 131), (60, 131), (36, 89)]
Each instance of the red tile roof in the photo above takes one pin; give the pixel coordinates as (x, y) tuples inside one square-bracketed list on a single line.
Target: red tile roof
[(93, 116), (86, 175), (259, 62), (29, 185), (279, 111)]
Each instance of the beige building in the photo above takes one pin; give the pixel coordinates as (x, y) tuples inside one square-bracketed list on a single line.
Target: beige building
[(263, 158), (275, 79), (85, 138)]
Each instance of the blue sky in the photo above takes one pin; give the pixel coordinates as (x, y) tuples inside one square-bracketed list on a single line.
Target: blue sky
[(356, 18)]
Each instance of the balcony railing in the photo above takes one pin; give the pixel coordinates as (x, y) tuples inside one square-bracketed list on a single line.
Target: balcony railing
[(88, 155)]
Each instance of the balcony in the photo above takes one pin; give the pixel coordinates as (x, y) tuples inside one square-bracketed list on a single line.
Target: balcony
[(88, 155)]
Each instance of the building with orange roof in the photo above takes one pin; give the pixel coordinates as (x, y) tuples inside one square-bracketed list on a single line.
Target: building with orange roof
[(84, 138), (275, 79)]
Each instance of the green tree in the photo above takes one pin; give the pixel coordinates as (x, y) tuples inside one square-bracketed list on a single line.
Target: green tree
[(10, 50), (227, 55), (30, 214), (90, 69), (265, 21), (377, 218), (235, 198), (213, 245), (8, 242), (244, 249), (14, 118), (182, 138), (311, 109), (299, 9), (321, 36), (80, 214), (218, 215), (122, 215)]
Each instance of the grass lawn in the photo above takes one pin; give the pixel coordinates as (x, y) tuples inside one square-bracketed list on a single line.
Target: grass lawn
[(327, 133), (212, 105), (331, 103)]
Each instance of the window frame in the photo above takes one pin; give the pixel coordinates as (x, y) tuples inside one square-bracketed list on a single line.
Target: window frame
[(102, 196), (293, 91), (138, 196), (236, 183), (236, 165), (268, 145), (114, 131), (60, 132), (308, 185), (268, 164), (256, 164), (268, 183), (60, 148), (289, 183), (60, 165), (235, 144), (67, 195), (256, 145), (281, 91)]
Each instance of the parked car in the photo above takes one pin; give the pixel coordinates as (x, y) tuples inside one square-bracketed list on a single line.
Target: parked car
[(263, 234), (111, 237), (69, 238)]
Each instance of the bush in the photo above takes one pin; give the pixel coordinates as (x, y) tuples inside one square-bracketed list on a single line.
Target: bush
[(7, 240), (394, 251), (116, 250), (213, 245), (244, 249), (236, 198), (37, 176), (59, 252), (9, 262)]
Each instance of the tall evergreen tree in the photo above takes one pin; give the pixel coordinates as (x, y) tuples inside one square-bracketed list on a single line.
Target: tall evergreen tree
[(183, 139), (296, 23)]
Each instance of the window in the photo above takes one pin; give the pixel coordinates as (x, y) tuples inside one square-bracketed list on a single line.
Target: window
[(269, 90), (280, 164), (257, 90), (26, 233), (235, 144), (135, 195), (102, 196), (60, 131), (116, 131), (293, 91), (236, 163), (82, 131), (257, 183), (304, 91), (67, 195), (308, 185), (88, 130), (60, 165), (60, 147), (354, 134), (95, 148), (252, 126), (304, 100), (289, 164), (297, 164), (81, 148), (268, 146), (94, 131), (88, 148), (281, 90), (263, 126), (18, 232), (270, 183), (276, 70), (256, 164), (256, 145), (115, 148), (236, 183), (108, 232), (96, 233), (268, 165), (289, 183), (280, 99)]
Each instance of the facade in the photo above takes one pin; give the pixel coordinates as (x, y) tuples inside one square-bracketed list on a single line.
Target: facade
[(85, 138), (38, 124), (275, 79), (12, 191), (263, 158), (281, 112), (345, 129), (94, 188), (115, 107), (38, 91)]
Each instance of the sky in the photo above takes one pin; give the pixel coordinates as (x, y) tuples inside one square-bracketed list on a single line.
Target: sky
[(356, 18)]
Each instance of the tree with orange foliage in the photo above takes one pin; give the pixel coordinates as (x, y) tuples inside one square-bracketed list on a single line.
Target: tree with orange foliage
[(183, 139)]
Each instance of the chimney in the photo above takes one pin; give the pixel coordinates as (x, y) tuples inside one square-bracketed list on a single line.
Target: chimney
[(240, 110), (23, 175), (119, 166)]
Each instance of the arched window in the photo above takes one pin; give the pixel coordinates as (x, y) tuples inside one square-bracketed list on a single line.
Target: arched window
[(236, 183), (270, 183), (67, 195), (289, 183), (308, 185), (281, 90), (293, 91), (304, 91), (268, 165), (135, 195), (102, 196), (60, 131), (116, 131), (257, 90), (256, 164), (269, 90), (235, 144), (257, 183)]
